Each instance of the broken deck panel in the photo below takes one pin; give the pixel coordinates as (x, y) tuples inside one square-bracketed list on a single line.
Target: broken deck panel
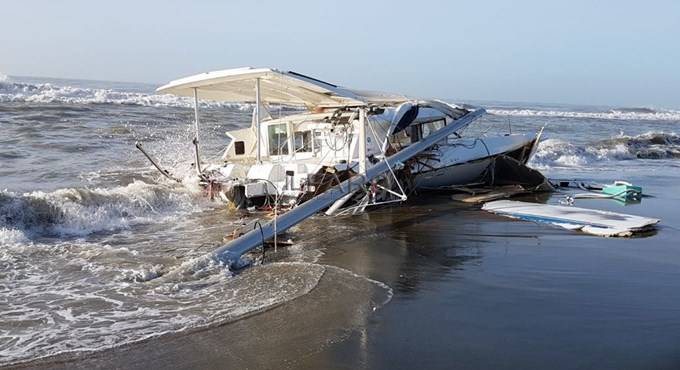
[(590, 221)]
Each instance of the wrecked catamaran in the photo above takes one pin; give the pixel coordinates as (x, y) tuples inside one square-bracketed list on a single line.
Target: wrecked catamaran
[(348, 149)]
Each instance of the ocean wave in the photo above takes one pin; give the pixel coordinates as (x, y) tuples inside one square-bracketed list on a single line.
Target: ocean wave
[(80, 211), (11, 91), (642, 114), (650, 145)]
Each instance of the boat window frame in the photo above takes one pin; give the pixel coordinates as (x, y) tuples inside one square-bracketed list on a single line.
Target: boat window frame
[(310, 138), (282, 144), (421, 134), (318, 138), (239, 147)]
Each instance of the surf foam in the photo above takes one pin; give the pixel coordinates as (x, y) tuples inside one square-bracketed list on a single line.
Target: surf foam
[(51, 93), (614, 114), (650, 145), (132, 312)]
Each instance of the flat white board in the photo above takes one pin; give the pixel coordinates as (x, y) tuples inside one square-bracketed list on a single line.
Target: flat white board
[(591, 221)]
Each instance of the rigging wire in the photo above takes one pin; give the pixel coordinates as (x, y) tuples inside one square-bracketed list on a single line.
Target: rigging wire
[(389, 166)]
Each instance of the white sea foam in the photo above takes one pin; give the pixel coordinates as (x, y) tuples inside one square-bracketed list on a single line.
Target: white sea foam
[(127, 313), (9, 236), (389, 292), (614, 114), (51, 93), (650, 145)]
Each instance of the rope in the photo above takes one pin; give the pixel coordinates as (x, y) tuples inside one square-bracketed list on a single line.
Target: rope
[(335, 148), (257, 223), (277, 199)]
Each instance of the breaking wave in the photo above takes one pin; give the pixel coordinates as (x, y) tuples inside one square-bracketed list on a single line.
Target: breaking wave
[(650, 145), (11, 91), (644, 114), (80, 211)]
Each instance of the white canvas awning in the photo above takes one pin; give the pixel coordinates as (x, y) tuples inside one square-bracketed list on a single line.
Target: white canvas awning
[(278, 87)]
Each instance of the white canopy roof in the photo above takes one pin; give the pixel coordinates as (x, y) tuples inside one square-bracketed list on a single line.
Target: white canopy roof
[(279, 87)]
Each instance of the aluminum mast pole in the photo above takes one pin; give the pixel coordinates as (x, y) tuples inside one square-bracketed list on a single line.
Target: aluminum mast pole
[(257, 120), (198, 159), (362, 141)]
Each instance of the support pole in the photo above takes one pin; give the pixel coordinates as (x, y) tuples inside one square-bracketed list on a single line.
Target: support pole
[(257, 121), (198, 158), (362, 141)]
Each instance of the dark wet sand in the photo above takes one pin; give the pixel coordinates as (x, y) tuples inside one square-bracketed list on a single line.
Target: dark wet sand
[(471, 291)]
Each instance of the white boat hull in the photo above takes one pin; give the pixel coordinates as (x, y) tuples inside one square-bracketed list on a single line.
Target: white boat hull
[(464, 162), (457, 174)]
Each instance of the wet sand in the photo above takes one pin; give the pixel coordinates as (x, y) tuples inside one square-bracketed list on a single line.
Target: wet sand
[(470, 290)]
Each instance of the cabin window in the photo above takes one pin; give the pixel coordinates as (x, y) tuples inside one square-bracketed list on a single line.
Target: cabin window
[(303, 141), (318, 140), (401, 138), (240, 147), (415, 133), (428, 128), (278, 139)]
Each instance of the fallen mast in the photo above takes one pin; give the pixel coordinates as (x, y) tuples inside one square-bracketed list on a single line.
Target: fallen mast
[(232, 252)]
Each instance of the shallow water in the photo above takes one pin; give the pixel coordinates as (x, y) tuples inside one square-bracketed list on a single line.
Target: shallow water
[(88, 231)]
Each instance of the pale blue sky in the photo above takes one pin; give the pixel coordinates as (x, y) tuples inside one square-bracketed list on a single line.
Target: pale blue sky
[(586, 52)]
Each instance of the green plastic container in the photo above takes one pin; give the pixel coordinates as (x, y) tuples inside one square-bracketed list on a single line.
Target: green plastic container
[(623, 190)]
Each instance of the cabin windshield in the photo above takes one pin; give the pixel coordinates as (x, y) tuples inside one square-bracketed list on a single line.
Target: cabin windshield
[(416, 132), (426, 129), (403, 138)]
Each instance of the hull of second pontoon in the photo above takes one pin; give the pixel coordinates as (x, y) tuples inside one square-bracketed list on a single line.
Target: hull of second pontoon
[(467, 164), (458, 174)]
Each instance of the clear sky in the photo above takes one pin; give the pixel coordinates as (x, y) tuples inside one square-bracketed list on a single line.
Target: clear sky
[(624, 53)]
